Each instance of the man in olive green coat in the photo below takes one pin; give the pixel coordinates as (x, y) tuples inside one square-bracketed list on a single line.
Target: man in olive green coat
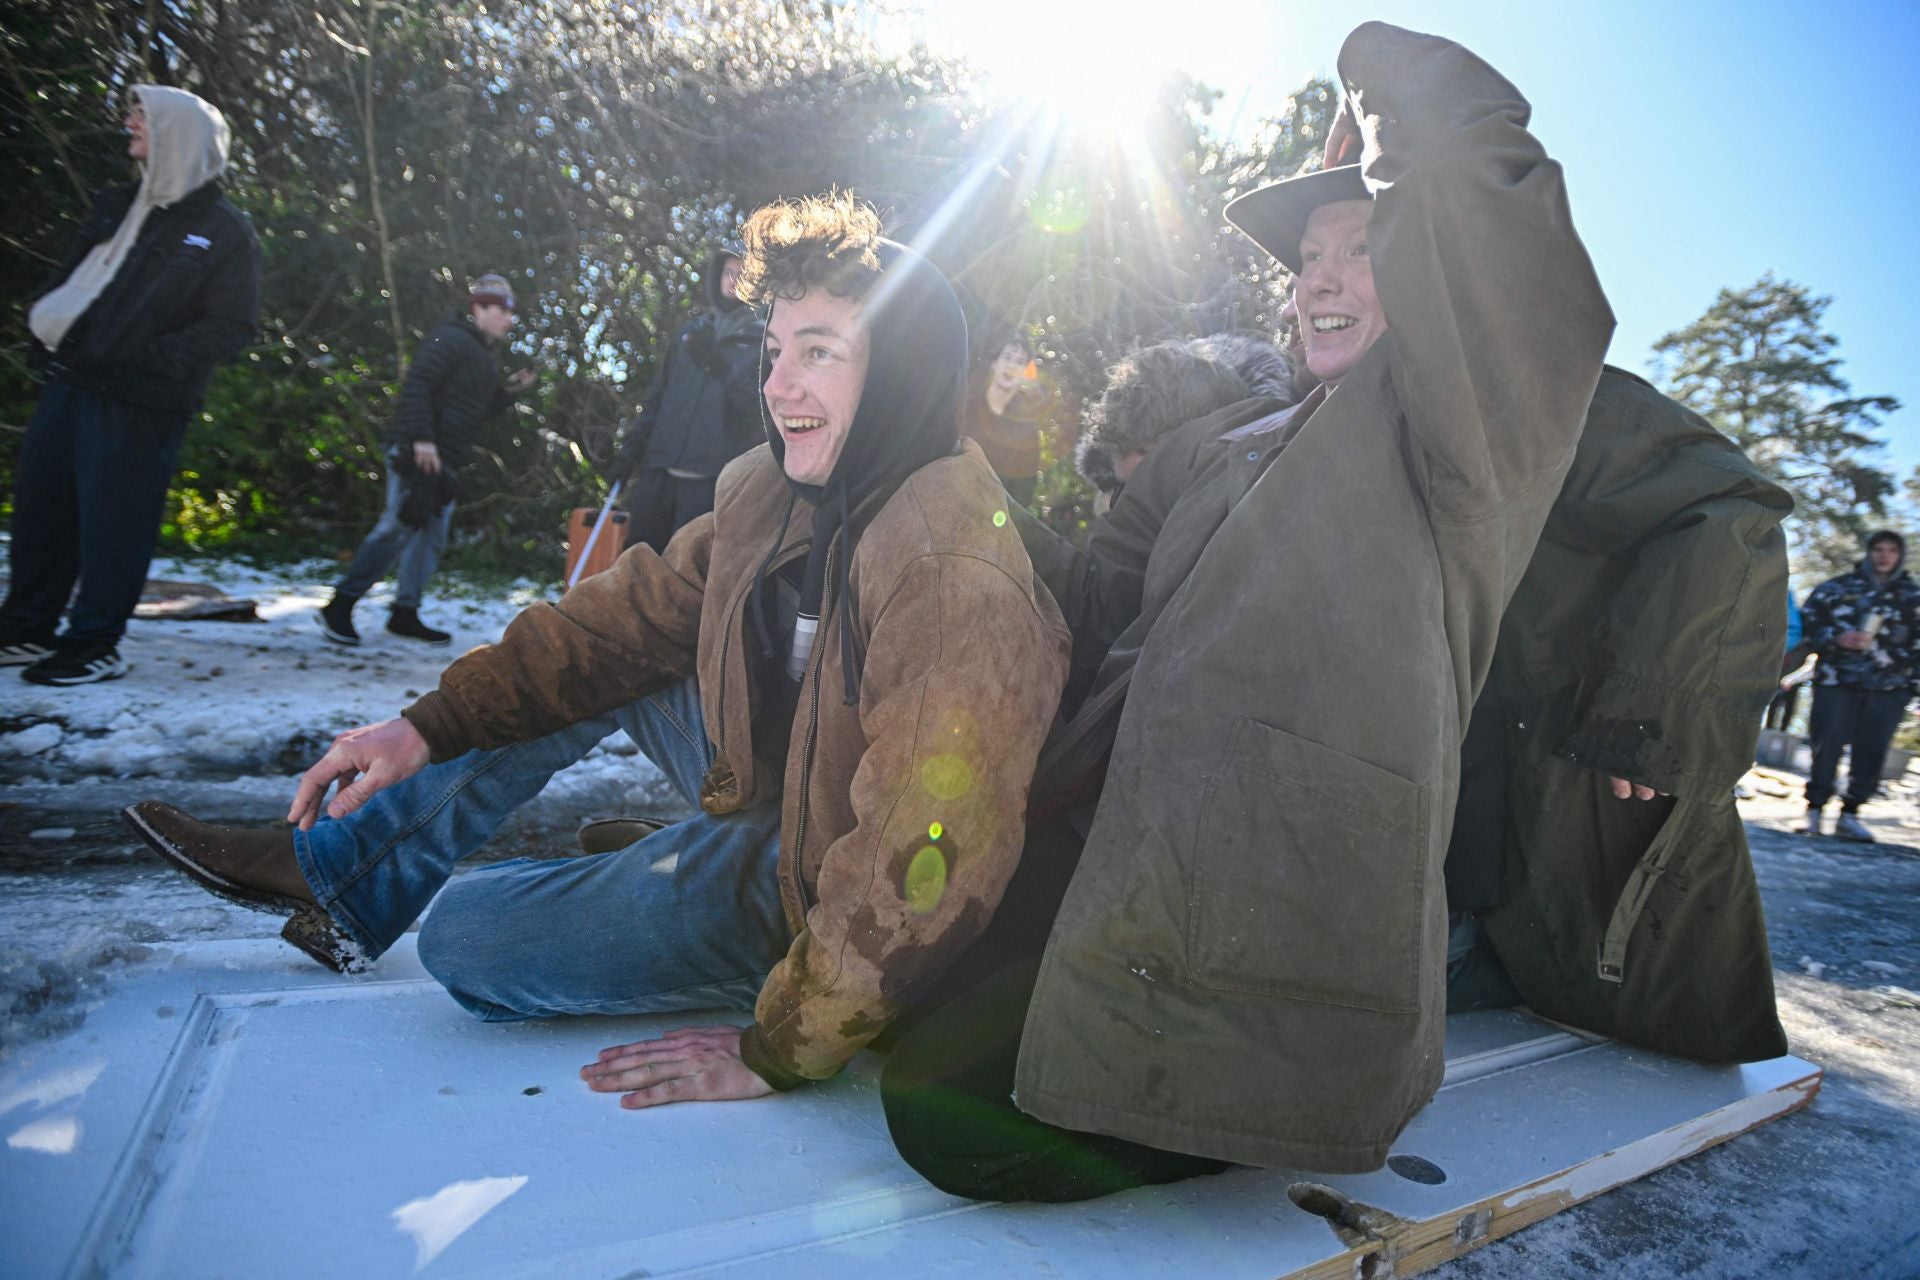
[(1249, 964)]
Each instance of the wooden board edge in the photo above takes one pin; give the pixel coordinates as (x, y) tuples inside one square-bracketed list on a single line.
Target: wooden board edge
[(1386, 1247)]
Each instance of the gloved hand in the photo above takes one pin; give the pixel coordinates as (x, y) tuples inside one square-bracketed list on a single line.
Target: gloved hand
[(423, 497)]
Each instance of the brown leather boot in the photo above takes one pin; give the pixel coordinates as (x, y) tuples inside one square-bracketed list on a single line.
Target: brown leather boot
[(253, 867), (314, 932), (610, 835)]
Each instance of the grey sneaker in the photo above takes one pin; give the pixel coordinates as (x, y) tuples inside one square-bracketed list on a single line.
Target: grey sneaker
[(1849, 827), (1812, 827)]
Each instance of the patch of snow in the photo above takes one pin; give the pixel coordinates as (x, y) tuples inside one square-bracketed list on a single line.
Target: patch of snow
[(33, 741), (436, 1221), (51, 833), (53, 1136)]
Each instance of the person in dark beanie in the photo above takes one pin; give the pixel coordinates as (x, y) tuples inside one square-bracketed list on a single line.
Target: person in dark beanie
[(452, 388), (163, 283), (701, 413), (1865, 626)]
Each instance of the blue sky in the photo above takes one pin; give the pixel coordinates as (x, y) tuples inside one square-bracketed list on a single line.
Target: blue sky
[(1704, 145)]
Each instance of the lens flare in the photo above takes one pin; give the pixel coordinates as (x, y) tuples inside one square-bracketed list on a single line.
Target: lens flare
[(926, 880)]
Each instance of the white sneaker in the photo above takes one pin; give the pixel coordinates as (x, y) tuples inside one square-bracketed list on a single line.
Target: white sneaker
[(1812, 827), (1849, 827)]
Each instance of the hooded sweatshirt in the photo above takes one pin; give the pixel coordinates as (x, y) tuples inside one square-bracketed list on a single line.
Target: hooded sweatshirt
[(1888, 609), (909, 415), (187, 143)]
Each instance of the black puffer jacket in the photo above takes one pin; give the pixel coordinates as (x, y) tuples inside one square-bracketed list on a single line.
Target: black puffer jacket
[(703, 409), (452, 388), (185, 300)]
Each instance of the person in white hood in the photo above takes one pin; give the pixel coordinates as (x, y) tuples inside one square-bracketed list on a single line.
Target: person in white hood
[(163, 284)]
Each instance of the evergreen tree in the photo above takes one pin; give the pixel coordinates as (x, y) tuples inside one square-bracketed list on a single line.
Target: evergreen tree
[(1758, 365)]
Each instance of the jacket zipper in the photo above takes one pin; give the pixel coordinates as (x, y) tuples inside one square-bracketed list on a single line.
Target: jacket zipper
[(813, 729)]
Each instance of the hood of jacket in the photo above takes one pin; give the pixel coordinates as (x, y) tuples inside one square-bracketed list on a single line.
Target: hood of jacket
[(187, 143), (1899, 566), (710, 278), (909, 416)]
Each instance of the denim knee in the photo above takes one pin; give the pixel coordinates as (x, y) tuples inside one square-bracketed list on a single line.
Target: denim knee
[(455, 948)]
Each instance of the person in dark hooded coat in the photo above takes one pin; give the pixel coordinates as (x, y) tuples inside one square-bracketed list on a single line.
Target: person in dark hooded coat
[(702, 411), (847, 666)]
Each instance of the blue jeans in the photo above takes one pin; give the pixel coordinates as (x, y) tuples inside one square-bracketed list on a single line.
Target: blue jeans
[(1861, 719), (688, 918), (417, 550), (89, 489)]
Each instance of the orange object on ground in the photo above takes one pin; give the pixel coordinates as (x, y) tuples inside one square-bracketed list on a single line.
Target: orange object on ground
[(607, 549)]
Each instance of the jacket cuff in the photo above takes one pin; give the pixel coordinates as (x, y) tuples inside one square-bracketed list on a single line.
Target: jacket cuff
[(1661, 738), (440, 722), (754, 1052)]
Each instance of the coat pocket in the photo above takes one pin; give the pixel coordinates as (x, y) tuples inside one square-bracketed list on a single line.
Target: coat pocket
[(1307, 878)]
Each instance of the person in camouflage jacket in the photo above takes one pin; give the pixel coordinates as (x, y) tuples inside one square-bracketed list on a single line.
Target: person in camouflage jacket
[(1865, 626)]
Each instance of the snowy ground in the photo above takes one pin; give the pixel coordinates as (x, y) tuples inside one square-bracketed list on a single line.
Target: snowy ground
[(218, 717)]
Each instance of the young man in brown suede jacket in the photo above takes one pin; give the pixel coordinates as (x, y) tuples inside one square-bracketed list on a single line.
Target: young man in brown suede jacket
[(847, 665)]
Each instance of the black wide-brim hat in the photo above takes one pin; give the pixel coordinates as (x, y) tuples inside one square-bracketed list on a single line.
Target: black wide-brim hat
[(1275, 217)]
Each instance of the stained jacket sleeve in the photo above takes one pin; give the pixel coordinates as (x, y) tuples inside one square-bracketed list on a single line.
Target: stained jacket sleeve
[(1498, 322), (938, 798), (1696, 629), (228, 317), (618, 636)]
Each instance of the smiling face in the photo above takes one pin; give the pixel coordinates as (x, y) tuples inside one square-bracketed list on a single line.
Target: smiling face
[(137, 132), (817, 349), (1340, 316), (1010, 366)]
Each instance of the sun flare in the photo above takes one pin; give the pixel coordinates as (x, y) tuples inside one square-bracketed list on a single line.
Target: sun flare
[(1073, 58)]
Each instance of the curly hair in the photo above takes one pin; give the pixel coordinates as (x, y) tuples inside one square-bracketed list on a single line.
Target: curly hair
[(825, 242), (1149, 393)]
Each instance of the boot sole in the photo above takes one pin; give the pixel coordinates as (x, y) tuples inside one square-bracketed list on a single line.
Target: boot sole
[(219, 886), (432, 640), (336, 637), (312, 932)]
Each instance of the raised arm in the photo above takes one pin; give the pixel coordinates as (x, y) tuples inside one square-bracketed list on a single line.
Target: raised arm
[(1497, 323)]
